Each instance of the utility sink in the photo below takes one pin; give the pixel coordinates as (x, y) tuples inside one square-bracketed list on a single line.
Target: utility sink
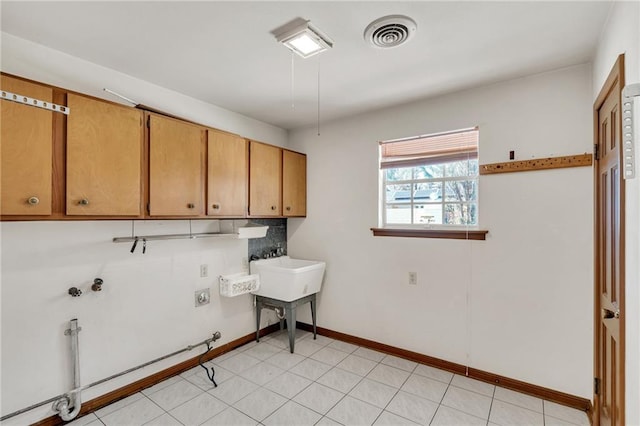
[(287, 279)]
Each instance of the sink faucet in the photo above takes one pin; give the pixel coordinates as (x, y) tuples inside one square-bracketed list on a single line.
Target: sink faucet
[(269, 253), (274, 252)]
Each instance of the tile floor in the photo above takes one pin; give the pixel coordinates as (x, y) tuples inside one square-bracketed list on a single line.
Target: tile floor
[(326, 382)]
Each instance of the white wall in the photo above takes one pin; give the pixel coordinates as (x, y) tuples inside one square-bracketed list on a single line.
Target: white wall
[(146, 309), (622, 35), (518, 304), (40, 63)]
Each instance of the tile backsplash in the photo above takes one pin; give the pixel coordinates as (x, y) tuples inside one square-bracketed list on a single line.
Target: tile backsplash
[(276, 237)]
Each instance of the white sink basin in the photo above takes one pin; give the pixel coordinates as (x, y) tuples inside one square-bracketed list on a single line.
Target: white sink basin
[(287, 279)]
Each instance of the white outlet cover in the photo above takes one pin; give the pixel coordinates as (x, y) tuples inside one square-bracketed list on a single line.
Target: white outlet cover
[(204, 270)]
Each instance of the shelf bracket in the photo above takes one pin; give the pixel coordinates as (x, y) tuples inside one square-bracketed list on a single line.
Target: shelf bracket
[(25, 100)]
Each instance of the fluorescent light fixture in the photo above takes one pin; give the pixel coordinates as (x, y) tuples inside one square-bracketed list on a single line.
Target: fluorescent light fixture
[(305, 40)]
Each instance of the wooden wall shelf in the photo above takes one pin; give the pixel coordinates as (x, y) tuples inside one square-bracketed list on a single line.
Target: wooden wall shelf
[(580, 160)]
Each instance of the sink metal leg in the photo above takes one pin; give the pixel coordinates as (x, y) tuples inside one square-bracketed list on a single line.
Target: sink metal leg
[(289, 315), (291, 325), (258, 312), (312, 302)]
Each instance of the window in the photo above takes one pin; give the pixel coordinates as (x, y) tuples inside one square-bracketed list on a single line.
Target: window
[(430, 180)]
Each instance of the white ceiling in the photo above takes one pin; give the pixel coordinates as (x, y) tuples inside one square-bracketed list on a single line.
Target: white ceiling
[(224, 53)]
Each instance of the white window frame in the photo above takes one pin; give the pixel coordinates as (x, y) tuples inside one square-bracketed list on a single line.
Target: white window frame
[(442, 202)]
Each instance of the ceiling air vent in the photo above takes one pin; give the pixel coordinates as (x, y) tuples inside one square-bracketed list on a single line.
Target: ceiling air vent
[(390, 31)]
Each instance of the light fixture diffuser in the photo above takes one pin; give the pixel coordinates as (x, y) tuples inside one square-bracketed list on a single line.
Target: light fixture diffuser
[(305, 40)]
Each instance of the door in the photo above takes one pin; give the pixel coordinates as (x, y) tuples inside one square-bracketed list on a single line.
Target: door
[(104, 158), (176, 168), (294, 183), (26, 153), (227, 174), (265, 180), (609, 254)]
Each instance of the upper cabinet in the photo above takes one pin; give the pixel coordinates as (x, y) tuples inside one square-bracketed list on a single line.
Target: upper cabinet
[(26, 153), (294, 183), (227, 174), (265, 180), (176, 167), (104, 158)]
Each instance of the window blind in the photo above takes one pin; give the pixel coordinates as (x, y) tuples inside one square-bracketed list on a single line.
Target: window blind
[(429, 149)]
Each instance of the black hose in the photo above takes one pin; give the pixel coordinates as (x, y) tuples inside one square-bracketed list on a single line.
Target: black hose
[(213, 372)]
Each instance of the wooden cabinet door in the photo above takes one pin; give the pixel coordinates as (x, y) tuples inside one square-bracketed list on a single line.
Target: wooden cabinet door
[(227, 174), (104, 158), (294, 183), (176, 168), (26, 153), (265, 178)]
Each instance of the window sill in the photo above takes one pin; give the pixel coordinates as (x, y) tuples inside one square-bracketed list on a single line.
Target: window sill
[(458, 234)]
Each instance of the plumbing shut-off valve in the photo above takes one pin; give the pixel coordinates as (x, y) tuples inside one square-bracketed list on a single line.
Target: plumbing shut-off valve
[(75, 292), (97, 284)]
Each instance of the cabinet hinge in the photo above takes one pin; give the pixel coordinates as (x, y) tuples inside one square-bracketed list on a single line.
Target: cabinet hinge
[(596, 151), (596, 386)]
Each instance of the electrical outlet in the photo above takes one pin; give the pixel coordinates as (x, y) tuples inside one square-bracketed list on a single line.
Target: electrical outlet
[(413, 278), (204, 270), (202, 297)]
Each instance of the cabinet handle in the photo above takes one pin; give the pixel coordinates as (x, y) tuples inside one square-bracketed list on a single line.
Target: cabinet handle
[(273, 207), (288, 208), (83, 202), (191, 206), (216, 206), (33, 201)]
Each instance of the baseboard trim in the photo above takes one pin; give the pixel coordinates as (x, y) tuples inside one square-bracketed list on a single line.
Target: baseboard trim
[(132, 388), (505, 382)]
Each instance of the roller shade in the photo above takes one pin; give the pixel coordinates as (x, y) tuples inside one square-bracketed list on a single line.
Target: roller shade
[(429, 149)]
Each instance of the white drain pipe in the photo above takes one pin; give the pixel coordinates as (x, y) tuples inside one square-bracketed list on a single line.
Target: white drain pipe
[(71, 399)]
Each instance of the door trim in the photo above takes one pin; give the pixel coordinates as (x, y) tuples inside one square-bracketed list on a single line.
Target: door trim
[(615, 75)]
